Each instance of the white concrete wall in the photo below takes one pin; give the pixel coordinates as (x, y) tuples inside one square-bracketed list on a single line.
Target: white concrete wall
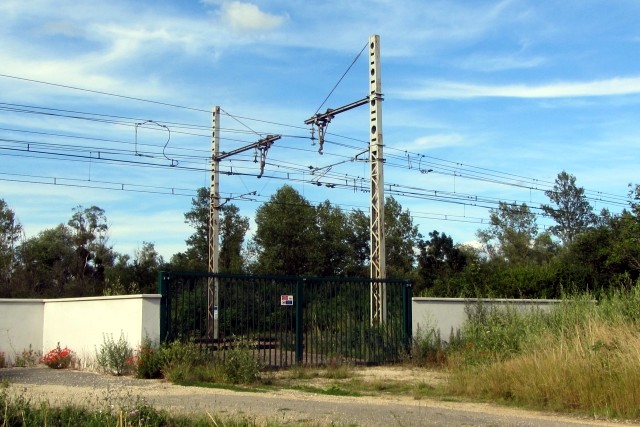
[(20, 326), (448, 314), (78, 323)]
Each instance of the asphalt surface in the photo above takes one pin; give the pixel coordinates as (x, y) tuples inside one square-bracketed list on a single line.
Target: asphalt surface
[(287, 406)]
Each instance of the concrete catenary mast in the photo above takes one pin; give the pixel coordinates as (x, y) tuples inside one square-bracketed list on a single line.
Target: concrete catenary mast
[(376, 160), (262, 146)]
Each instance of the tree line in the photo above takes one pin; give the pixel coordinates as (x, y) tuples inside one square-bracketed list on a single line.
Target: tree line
[(513, 257)]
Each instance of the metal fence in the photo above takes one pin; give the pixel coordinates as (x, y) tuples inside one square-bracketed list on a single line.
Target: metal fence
[(288, 320)]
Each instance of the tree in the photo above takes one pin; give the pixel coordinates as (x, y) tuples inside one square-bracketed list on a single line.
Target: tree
[(89, 229), (438, 262), (46, 264), (233, 229), (625, 245), (146, 264), (10, 232), (358, 238), (286, 234), (197, 255), (511, 233), (334, 253), (571, 211), (402, 239)]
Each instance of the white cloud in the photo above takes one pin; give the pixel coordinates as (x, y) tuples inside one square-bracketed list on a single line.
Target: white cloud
[(454, 90), (248, 17)]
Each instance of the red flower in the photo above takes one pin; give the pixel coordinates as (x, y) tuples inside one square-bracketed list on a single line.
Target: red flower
[(58, 358)]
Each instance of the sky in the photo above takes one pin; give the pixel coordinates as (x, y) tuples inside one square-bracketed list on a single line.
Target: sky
[(108, 104)]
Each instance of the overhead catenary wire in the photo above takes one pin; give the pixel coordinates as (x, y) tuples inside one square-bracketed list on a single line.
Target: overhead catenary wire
[(177, 191), (453, 167), (177, 106), (439, 166)]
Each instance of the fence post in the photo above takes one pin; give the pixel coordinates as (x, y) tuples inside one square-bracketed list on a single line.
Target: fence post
[(299, 314), (408, 321), (160, 288)]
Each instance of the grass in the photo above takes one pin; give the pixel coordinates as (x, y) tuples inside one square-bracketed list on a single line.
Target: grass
[(581, 357), (225, 386), (333, 390), (18, 411)]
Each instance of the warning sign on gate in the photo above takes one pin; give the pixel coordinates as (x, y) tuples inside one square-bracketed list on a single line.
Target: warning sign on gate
[(286, 299)]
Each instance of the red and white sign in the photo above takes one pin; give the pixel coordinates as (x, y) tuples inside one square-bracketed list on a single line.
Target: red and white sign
[(286, 299)]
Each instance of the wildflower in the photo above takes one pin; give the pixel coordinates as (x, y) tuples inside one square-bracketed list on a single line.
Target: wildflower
[(58, 358)]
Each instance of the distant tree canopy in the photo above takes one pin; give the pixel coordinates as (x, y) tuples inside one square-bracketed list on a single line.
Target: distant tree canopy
[(513, 258)]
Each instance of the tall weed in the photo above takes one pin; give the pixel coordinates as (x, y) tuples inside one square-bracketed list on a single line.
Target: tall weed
[(580, 356), (497, 333), (240, 365), (115, 357), (428, 349), (594, 371)]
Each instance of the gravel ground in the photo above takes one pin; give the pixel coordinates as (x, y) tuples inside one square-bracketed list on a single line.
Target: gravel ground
[(92, 389)]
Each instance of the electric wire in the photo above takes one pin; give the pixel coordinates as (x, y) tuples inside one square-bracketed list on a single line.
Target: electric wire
[(443, 166), (102, 93), (201, 110)]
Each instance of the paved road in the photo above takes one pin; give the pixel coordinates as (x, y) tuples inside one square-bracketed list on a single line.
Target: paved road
[(87, 387)]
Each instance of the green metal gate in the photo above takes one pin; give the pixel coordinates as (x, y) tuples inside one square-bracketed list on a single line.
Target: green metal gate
[(289, 320)]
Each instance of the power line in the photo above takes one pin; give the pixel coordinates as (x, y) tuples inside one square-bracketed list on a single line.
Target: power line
[(448, 167), (442, 166), (103, 93)]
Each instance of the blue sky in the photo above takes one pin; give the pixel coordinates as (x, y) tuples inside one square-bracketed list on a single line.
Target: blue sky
[(495, 98)]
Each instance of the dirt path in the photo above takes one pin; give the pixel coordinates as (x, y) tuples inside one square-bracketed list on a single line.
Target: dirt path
[(100, 391)]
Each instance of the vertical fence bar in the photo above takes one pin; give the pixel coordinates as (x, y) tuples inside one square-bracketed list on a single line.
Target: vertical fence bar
[(299, 313), (161, 287), (408, 320)]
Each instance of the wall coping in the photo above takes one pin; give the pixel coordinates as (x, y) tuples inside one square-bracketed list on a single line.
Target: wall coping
[(475, 300), (21, 300), (46, 300), (107, 298)]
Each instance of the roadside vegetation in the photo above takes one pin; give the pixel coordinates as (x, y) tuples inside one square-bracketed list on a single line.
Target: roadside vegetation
[(579, 357), (111, 411), (582, 356)]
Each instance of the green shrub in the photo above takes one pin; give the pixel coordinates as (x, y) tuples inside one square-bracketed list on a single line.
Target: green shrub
[(240, 366), (186, 362), (427, 348), (28, 358), (148, 361), (498, 333), (182, 353), (115, 358)]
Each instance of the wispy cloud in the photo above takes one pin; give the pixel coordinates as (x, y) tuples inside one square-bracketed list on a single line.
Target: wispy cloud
[(434, 89), (491, 63), (435, 141)]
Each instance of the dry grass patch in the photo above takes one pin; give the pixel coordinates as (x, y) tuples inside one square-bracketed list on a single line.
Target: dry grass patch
[(592, 369)]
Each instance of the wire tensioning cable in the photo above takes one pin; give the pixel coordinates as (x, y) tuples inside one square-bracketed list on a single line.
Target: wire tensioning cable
[(342, 77)]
